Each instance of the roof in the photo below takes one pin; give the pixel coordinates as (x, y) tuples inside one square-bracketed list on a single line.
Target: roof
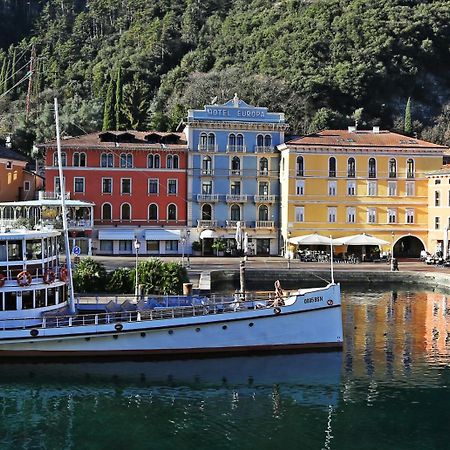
[(361, 138), (444, 170), (9, 153), (123, 139)]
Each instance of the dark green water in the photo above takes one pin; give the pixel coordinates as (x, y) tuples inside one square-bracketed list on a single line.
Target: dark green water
[(388, 389)]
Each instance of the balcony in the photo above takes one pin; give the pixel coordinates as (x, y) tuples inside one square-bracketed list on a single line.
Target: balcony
[(79, 224), (265, 198), (236, 148), (233, 223), (265, 224), (263, 173), (264, 149), (236, 198), (207, 172), (45, 195), (207, 197), (207, 223), (207, 147)]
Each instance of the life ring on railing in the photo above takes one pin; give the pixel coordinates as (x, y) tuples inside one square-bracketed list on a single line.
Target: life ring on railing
[(118, 327), (2, 280), (63, 274), (277, 311), (49, 276), (24, 278)]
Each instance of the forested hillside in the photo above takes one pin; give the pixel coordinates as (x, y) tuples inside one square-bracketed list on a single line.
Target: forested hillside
[(140, 64)]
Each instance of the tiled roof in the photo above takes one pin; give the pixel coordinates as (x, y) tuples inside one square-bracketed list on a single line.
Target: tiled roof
[(345, 138), (122, 139), (8, 153), (444, 170)]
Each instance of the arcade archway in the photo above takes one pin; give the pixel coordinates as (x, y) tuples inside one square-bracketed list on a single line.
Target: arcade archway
[(408, 247)]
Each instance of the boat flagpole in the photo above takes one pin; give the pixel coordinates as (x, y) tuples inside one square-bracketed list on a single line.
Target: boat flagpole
[(62, 189), (332, 260)]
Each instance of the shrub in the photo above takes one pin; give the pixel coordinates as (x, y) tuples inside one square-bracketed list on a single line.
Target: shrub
[(89, 276), (120, 281)]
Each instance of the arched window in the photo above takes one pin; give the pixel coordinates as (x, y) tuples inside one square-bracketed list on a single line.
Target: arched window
[(240, 142), (235, 165), (63, 159), (176, 162), (392, 168), (263, 213), (300, 166), (207, 165), (106, 211), (172, 212), (267, 141), (206, 212), (410, 168), (156, 161), (169, 162), (153, 212), (107, 160), (82, 159), (203, 141), (76, 159), (125, 211), (260, 141), (211, 141), (150, 161), (372, 168), (126, 160), (231, 141), (332, 167), (263, 166), (235, 212), (351, 168)]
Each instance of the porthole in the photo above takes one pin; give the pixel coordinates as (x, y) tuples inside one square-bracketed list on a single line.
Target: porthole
[(143, 335), (224, 327), (197, 330), (170, 331), (251, 324)]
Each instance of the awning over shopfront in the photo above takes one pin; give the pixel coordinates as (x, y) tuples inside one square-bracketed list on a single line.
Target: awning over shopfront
[(161, 234), (116, 235), (209, 234)]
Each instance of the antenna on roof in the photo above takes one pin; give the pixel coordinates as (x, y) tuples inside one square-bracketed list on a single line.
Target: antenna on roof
[(214, 100)]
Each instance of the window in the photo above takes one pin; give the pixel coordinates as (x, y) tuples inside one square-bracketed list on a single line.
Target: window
[(437, 181), (332, 167), (410, 188), (153, 161), (231, 141), (392, 216), (203, 141), (392, 188), (409, 216), (410, 168), (107, 160), (351, 188), (392, 168), (107, 185), (351, 215), (126, 160), (55, 159), (235, 188), (106, 211), (332, 187), (372, 168), (332, 214), (264, 166), (171, 246), (371, 215), (125, 211), (79, 159), (126, 186), (300, 166), (176, 162), (299, 213), (78, 184), (125, 246), (58, 184), (267, 141), (263, 213), (26, 185), (211, 141), (207, 187), (437, 198), (264, 141), (153, 246), (153, 185), (169, 162), (351, 168), (235, 165), (172, 187), (153, 212), (172, 212), (206, 212), (207, 165), (263, 188), (371, 188), (300, 187), (235, 212), (239, 142), (437, 223)]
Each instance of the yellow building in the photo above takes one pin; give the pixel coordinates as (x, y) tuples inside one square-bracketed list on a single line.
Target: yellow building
[(438, 209), (345, 182)]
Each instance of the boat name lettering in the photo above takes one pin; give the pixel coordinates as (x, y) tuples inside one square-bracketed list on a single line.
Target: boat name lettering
[(313, 299)]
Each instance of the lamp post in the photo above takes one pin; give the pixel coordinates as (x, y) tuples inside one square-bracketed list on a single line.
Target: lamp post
[(137, 246), (188, 233), (392, 253), (183, 243)]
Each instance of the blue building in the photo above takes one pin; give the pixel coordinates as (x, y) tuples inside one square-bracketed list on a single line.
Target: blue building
[(233, 174)]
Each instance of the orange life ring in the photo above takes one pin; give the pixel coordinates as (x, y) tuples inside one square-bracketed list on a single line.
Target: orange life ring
[(2, 280), (49, 276), (63, 274), (24, 278)]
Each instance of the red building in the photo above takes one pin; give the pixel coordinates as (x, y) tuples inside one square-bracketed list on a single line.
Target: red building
[(137, 181)]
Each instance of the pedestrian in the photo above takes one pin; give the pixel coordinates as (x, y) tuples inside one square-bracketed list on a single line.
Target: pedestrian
[(395, 264)]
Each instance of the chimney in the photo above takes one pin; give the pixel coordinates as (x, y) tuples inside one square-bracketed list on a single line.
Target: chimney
[(352, 129), (375, 130)]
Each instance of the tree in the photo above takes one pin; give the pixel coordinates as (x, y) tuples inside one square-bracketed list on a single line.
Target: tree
[(108, 112), (89, 276), (408, 119), (119, 106)]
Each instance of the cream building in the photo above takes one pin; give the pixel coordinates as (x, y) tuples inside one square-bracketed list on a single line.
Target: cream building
[(345, 182)]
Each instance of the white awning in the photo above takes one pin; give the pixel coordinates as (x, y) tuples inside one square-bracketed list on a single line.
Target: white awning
[(116, 234), (161, 234), (208, 234)]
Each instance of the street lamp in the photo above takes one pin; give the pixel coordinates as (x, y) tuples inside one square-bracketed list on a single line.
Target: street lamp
[(137, 246), (392, 253)]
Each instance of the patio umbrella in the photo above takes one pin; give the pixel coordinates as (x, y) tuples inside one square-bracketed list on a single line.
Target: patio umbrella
[(245, 243), (238, 236), (310, 239), (359, 239)]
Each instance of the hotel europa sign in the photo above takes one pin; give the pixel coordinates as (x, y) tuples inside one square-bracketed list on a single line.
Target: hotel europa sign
[(237, 113)]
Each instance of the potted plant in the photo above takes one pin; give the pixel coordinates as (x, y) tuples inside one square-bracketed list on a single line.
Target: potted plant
[(219, 246), (196, 248)]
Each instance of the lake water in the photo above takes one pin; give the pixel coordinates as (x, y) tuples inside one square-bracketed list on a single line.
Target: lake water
[(388, 389)]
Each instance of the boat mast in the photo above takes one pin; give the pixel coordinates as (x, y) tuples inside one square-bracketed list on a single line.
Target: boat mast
[(62, 189)]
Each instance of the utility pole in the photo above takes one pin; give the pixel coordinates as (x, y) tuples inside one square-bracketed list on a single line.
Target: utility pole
[(30, 80)]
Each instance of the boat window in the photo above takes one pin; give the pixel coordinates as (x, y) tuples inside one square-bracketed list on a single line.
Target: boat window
[(39, 298), (10, 301), (51, 296), (2, 251), (34, 249), (15, 251), (62, 294), (27, 299)]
